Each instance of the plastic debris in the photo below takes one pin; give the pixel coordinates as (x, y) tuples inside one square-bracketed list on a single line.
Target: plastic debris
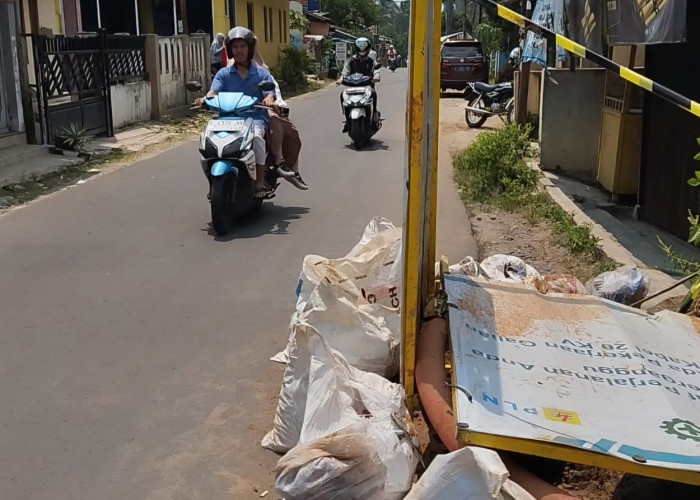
[(560, 283), (625, 286), (508, 268), (467, 266)]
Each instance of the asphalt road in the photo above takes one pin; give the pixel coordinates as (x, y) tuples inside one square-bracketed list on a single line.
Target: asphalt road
[(134, 345)]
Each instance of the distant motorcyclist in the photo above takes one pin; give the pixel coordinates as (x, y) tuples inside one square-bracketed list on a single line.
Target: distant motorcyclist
[(361, 63), (243, 76), (392, 57)]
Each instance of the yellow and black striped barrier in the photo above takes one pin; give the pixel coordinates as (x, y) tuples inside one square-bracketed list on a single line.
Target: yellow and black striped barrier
[(581, 51)]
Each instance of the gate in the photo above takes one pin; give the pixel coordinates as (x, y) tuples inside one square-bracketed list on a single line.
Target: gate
[(73, 84)]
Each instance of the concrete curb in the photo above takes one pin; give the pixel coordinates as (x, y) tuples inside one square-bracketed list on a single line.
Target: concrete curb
[(608, 243)]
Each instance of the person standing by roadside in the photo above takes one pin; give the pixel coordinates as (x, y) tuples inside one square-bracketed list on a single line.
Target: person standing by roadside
[(215, 53)]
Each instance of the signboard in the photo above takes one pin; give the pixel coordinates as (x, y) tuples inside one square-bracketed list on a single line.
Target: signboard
[(585, 23), (609, 385), (341, 53), (549, 14), (646, 21)]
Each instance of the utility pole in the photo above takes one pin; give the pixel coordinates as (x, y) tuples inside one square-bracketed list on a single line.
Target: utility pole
[(464, 21), (524, 83)]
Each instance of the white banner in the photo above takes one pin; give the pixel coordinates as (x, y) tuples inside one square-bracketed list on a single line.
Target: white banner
[(577, 371)]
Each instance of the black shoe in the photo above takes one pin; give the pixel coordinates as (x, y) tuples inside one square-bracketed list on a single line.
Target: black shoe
[(284, 171), (346, 128), (298, 182)]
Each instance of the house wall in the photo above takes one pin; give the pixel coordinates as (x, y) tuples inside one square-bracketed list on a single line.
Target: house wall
[(222, 21), (669, 136), (270, 48), (322, 29), (131, 103), (50, 16), (571, 122)]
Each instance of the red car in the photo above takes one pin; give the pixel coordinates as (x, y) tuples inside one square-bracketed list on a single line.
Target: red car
[(463, 61)]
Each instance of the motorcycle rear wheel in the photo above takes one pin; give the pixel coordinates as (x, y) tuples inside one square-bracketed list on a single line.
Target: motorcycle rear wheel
[(474, 120), (510, 114), (222, 192)]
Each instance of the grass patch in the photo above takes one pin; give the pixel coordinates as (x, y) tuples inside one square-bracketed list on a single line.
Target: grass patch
[(493, 171)]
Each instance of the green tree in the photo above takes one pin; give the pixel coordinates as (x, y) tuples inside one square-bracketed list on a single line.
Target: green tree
[(298, 21), (491, 37), (353, 15)]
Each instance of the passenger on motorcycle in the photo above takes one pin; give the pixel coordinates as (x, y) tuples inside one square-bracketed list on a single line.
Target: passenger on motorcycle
[(244, 76), (361, 63), (284, 140)]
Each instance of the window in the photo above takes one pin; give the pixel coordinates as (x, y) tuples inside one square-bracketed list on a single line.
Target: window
[(269, 16), (267, 32), (251, 17), (286, 28), (279, 24)]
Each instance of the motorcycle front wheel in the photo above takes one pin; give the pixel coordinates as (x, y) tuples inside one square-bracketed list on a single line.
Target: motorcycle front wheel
[(475, 120), (357, 134), (222, 192)]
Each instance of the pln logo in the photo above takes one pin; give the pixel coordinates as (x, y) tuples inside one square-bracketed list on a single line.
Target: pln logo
[(562, 416)]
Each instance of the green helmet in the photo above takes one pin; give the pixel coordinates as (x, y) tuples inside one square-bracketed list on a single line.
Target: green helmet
[(363, 46)]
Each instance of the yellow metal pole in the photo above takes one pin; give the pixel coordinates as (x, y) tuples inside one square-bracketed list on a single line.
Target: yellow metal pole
[(422, 119)]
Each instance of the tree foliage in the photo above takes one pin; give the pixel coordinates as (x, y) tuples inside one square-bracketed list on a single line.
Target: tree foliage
[(298, 21), (354, 15)]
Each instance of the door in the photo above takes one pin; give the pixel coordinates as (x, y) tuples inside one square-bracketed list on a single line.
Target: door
[(5, 66)]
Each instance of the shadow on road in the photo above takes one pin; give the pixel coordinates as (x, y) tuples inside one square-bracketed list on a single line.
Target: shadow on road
[(270, 219), (372, 145)]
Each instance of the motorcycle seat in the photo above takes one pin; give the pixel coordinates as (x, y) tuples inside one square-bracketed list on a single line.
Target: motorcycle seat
[(483, 87)]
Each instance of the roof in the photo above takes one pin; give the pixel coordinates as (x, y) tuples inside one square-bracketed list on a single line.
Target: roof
[(317, 17), (342, 35)]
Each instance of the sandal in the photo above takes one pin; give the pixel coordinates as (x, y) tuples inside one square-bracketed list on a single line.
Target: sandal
[(260, 192)]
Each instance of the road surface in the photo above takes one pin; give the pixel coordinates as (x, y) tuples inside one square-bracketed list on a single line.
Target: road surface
[(134, 345)]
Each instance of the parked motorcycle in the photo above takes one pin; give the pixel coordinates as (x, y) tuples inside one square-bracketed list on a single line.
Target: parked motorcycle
[(489, 100), (227, 158), (358, 106)]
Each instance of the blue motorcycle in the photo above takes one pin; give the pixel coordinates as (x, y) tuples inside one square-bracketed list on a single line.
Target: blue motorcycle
[(227, 157)]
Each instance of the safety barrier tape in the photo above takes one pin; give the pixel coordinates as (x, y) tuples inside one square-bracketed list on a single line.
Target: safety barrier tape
[(579, 50)]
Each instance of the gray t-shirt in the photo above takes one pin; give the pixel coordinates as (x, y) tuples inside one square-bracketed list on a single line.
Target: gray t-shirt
[(215, 52)]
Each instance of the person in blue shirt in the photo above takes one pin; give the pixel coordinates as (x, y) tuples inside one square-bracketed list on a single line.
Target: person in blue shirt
[(244, 76)]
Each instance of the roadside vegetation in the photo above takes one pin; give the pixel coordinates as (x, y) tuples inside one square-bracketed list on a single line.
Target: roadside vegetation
[(494, 176)]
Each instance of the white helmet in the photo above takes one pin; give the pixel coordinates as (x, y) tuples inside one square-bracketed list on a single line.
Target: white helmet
[(363, 46)]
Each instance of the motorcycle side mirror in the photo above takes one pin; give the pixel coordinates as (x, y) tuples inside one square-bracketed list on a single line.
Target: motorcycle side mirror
[(266, 86), (193, 86)]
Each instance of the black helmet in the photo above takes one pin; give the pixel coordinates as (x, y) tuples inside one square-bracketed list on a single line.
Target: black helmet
[(240, 33)]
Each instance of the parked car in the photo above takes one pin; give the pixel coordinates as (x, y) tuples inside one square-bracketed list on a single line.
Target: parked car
[(462, 61)]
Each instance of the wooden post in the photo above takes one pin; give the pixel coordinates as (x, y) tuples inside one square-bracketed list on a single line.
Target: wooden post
[(33, 16), (183, 16), (153, 69), (524, 82)]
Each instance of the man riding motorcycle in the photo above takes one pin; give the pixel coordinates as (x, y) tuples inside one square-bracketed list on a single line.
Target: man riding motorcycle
[(245, 77), (361, 63)]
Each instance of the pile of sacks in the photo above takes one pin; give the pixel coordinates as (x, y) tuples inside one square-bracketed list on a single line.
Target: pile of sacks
[(625, 286), (342, 425)]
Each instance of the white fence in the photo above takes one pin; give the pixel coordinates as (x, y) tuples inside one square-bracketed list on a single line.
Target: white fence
[(171, 62)]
